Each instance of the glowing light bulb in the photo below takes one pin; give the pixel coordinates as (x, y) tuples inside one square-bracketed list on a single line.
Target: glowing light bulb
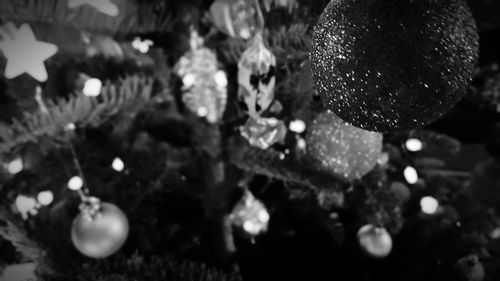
[(202, 111), (413, 145), (45, 198), (221, 78), (24, 205), (92, 87), (411, 175), (297, 126), (142, 45), (118, 164), (75, 183), (429, 205), (15, 166), (189, 80)]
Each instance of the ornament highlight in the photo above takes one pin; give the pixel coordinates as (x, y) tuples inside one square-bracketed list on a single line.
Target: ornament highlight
[(342, 149), (103, 6), (100, 229), (375, 241), (24, 53), (250, 214), (264, 132), (394, 65), (256, 77)]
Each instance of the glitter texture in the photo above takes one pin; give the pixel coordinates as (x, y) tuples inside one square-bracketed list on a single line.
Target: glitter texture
[(394, 64), (343, 149)]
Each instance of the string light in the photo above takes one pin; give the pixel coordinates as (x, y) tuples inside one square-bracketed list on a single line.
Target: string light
[(297, 126), (411, 175), (25, 205), (75, 183), (413, 145), (142, 45), (118, 164), (221, 78), (15, 166), (188, 80), (92, 87), (429, 205), (45, 198)]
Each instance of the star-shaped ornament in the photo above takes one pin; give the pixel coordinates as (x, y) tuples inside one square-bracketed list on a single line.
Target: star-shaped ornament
[(104, 6), (24, 53)]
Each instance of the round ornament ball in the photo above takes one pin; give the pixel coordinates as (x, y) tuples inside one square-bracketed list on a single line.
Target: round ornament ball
[(396, 64), (375, 241), (342, 149), (100, 229)]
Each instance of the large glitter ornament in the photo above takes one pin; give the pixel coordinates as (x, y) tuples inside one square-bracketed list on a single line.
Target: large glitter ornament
[(342, 149), (264, 132), (256, 77), (100, 229), (396, 64), (204, 84), (375, 241), (250, 214), (237, 18)]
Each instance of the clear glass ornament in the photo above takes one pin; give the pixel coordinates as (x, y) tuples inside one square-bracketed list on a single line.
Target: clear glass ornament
[(264, 132), (237, 18), (100, 229), (204, 84), (250, 214), (375, 241)]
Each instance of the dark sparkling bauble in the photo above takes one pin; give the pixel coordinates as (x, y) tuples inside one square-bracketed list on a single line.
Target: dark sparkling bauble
[(386, 65)]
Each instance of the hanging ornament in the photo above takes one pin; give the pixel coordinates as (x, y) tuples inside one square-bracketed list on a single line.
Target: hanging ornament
[(100, 229), (237, 18), (250, 214), (264, 132), (24, 53), (375, 241), (103, 6), (256, 77), (343, 149), (204, 84), (394, 65), (288, 4), (470, 268)]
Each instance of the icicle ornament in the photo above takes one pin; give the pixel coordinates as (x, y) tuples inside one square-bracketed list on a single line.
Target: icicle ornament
[(204, 84), (257, 77)]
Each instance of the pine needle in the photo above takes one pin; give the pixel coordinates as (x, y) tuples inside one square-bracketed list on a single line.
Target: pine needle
[(80, 110)]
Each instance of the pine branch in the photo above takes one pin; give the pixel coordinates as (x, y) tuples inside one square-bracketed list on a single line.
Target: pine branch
[(294, 169), (81, 110), (156, 268), (18, 237), (132, 18), (286, 42)]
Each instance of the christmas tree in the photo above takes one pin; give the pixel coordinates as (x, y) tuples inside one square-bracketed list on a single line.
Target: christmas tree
[(249, 140)]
